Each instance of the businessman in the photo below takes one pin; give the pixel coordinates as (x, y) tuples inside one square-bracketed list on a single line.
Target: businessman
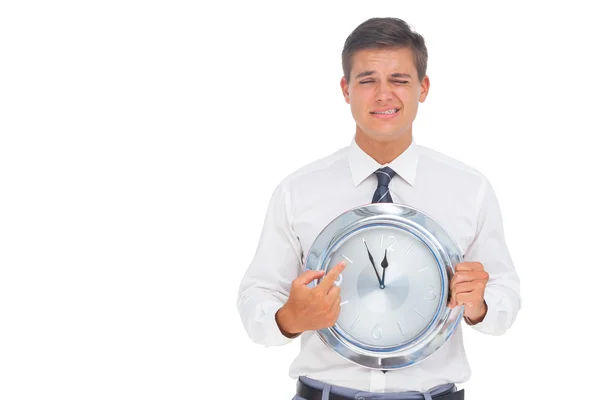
[(384, 81)]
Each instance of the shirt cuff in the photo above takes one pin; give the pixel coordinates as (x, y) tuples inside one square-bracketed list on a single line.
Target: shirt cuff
[(491, 323), (273, 335)]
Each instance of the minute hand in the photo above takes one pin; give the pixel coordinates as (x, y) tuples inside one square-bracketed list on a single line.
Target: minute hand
[(373, 264)]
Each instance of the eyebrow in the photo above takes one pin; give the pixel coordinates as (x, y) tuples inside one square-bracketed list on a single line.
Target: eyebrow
[(394, 75)]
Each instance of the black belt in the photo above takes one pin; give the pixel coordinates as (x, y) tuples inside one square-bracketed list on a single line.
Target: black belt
[(311, 393)]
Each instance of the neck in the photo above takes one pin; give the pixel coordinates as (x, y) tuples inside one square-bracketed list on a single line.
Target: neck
[(383, 152)]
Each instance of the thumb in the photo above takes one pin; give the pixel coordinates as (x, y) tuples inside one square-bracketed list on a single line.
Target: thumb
[(309, 276), (452, 302)]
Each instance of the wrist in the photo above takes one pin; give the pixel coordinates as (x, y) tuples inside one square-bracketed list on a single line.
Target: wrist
[(283, 318), (477, 317)]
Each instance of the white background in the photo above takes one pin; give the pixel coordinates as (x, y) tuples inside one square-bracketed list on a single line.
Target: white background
[(141, 141)]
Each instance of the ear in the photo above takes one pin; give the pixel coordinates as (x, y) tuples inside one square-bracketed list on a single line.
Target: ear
[(344, 86), (424, 89)]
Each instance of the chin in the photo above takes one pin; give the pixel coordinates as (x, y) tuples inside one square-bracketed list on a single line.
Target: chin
[(385, 136)]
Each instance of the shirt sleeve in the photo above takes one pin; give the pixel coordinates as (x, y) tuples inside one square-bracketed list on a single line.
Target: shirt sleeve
[(266, 283), (502, 292)]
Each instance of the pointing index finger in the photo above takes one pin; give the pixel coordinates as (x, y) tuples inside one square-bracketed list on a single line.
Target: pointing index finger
[(329, 279)]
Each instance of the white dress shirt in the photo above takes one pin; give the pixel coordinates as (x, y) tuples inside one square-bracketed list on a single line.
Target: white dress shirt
[(456, 195)]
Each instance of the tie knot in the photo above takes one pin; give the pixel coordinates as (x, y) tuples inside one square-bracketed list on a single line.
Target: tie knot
[(384, 176)]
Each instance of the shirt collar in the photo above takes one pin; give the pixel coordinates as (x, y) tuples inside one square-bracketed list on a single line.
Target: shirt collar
[(363, 165)]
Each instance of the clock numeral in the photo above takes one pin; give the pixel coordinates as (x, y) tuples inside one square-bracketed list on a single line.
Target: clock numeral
[(390, 247), (354, 323), (421, 315), (338, 281), (409, 249), (377, 332), (431, 293), (424, 268), (347, 259)]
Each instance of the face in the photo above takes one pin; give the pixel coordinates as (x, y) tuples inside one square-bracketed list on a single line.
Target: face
[(394, 301), (384, 93)]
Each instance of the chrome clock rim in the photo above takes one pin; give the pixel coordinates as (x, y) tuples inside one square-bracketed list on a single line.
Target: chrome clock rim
[(446, 252)]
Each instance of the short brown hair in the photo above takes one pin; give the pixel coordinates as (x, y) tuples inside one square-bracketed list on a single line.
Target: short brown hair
[(378, 33)]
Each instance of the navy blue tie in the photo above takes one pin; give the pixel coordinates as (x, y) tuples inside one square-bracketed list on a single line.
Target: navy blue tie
[(382, 193)]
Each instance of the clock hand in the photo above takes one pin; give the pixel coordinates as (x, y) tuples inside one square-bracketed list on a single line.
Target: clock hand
[(384, 265), (373, 264)]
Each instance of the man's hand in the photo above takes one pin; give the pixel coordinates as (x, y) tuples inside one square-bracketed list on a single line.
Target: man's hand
[(311, 308), (467, 287)]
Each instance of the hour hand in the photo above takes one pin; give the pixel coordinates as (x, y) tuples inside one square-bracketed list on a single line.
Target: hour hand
[(384, 265), (373, 264)]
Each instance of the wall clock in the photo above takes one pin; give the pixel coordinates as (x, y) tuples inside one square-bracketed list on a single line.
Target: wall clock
[(395, 287)]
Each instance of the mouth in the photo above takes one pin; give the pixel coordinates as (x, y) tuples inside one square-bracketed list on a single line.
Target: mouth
[(385, 113)]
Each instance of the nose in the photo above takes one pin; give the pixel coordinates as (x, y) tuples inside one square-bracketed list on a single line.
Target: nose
[(384, 92)]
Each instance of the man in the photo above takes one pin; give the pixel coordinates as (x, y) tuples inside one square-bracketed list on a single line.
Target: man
[(384, 81)]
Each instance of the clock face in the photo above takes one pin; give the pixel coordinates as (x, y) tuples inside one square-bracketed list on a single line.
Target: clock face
[(392, 302)]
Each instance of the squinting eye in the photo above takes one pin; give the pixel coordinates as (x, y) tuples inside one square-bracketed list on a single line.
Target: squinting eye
[(365, 82), (400, 81)]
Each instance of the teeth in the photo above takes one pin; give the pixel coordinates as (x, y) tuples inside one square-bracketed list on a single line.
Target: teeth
[(393, 110)]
